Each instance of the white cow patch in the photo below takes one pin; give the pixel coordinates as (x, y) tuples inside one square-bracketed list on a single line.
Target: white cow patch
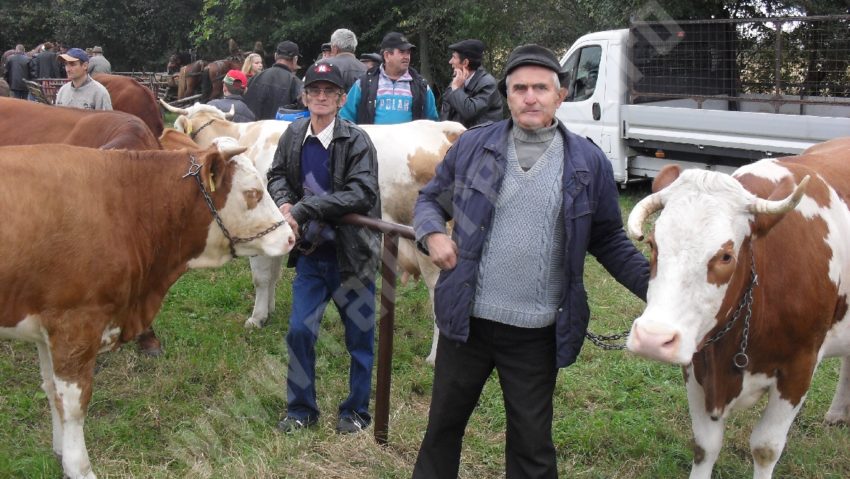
[(109, 338), (28, 329), (75, 457)]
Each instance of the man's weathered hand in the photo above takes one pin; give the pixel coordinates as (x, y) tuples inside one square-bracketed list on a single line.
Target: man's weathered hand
[(442, 250), (284, 209)]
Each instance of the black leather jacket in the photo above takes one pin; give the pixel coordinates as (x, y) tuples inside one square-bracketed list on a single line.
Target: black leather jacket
[(354, 169), (271, 89), (477, 103)]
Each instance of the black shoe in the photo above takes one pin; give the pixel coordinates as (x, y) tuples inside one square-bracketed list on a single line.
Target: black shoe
[(292, 424), (352, 424)]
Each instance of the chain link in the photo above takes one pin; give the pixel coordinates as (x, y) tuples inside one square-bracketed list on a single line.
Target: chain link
[(600, 340), (195, 170)]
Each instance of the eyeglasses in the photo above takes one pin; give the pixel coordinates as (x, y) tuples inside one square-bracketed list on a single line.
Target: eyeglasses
[(328, 92)]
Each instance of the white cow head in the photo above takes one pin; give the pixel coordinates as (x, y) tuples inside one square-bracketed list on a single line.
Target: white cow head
[(248, 211), (696, 255)]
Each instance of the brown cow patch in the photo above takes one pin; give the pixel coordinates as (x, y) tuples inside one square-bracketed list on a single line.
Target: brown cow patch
[(252, 198), (423, 163), (721, 266)]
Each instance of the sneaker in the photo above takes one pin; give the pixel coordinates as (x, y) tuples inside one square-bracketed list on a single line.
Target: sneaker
[(351, 424), (292, 424)]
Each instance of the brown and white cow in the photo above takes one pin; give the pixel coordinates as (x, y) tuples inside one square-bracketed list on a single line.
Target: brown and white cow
[(86, 266), (748, 291), (408, 154), (130, 96), (29, 123)]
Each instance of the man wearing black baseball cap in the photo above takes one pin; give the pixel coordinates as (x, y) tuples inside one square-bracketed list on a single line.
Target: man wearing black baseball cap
[(405, 95), (276, 86), (324, 168), (471, 98), (539, 197)]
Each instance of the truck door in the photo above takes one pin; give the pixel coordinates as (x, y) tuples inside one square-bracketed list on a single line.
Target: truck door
[(585, 110)]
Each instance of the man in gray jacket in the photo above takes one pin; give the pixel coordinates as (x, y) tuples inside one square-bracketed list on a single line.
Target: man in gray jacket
[(471, 98), (343, 43)]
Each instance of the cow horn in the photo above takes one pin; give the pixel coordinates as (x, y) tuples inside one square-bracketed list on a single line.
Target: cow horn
[(173, 109), (229, 115), (777, 207), (641, 211)]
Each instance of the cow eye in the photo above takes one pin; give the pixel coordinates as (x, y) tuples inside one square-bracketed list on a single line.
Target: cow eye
[(726, 258)]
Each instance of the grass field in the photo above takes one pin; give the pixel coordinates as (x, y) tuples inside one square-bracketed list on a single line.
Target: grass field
[(207, 409)]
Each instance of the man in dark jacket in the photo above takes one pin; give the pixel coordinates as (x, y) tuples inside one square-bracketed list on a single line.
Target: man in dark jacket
[(46, 63), (471, 98), (342, 46), (324, 168), (393, 92), (276, 86), (18, 70), (529, 200), (233, 87)]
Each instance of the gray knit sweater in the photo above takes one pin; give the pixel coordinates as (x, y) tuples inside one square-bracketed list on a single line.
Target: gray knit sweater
[(520, 275)]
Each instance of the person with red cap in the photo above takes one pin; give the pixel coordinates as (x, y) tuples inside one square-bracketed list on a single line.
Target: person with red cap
[(234, 83)]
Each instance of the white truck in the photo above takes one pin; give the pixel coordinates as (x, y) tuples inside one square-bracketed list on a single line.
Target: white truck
[(713, 94)]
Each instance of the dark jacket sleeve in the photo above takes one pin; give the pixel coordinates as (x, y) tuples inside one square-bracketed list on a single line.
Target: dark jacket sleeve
[(434, 205), (280, 188), (608, 241), (359, 191), (469, 106)]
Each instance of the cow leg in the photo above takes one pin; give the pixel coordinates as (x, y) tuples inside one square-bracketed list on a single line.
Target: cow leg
[(265, 272), (839, 411), (430, 274), (149, 344), (708, 432), (49, 387), (73, 366), (768, 437)]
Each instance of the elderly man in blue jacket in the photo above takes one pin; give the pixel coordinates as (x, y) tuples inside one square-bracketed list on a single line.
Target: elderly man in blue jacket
[(529, 199)]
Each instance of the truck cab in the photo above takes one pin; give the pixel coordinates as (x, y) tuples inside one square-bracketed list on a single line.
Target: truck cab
[(596, 90)]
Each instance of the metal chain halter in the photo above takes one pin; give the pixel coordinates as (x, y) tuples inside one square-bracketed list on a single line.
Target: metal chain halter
[(195, 170), (741, 359)]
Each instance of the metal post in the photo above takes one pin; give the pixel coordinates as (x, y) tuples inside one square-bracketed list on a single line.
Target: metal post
[(389, 265), (385, 338)]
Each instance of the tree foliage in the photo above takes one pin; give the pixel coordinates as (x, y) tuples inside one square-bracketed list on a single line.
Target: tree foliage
[(142, 34)]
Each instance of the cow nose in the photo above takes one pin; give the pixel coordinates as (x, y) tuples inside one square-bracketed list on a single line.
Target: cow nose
[(290, 242), (655, 341)]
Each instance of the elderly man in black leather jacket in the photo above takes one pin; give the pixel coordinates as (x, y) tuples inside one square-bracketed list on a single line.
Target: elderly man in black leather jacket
[(326, 167), (471, 98)]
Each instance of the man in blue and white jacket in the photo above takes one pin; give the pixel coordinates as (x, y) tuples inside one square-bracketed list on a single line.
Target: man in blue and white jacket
[(529, 199), (392, 92)]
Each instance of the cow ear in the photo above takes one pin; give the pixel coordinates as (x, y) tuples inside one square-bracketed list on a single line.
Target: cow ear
[(665, 177), (765, 221), (212, 173), (182, 124)]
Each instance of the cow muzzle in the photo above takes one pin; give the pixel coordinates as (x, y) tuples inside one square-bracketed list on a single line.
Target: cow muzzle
[(656, 341)]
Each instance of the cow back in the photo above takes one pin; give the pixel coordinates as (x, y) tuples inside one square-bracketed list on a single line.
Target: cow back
[(128, 95), (31, 123)]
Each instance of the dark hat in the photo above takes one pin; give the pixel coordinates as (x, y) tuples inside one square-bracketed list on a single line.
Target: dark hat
[(97, 50), (75, 54), (394, 40), (375, 57), (324, 71), (530, 54), (471, 49), (287, 49), (326, 47)]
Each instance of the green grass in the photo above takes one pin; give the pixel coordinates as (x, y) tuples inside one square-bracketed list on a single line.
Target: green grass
[(207, 409)]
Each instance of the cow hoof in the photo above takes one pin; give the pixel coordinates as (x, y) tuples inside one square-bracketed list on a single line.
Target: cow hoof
[(834, 419), (432, 359), (253, 322), (152, 351)]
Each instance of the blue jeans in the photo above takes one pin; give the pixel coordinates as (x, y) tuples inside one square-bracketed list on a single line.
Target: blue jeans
[(317, 281)]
